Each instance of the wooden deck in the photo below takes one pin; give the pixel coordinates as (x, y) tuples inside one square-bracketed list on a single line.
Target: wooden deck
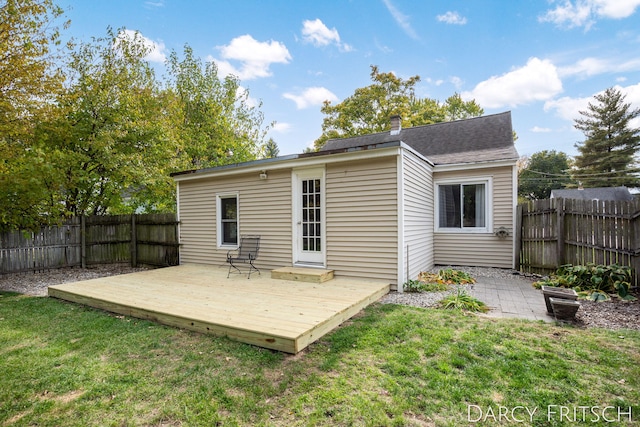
[(277, 314)]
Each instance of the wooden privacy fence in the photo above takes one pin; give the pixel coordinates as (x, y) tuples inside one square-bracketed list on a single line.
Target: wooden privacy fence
[(150, 239), (554, 232)]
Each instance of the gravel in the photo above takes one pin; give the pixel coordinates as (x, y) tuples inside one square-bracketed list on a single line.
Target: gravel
[(36, 283), (613, 314)]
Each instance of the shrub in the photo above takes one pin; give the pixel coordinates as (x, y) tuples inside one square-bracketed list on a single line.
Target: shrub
[(461, 300), (419, 286), (457, 277), (593, 281)]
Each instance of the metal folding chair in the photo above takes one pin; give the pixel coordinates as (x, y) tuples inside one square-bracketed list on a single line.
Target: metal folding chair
[(246, 253)]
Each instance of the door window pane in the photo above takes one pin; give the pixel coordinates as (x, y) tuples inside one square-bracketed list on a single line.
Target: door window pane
[(311, 221)]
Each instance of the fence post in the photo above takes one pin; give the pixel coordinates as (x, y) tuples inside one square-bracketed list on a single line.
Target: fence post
[(518, 238), (560, 230), (134, 242), (83, 241)]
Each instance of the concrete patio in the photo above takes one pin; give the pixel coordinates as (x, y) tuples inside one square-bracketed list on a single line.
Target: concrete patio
[(514, 297)]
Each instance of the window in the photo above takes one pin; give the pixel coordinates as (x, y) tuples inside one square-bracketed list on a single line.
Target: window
[(227, 220), (463, 206)]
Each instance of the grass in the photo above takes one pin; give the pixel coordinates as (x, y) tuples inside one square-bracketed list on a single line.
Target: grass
[(66, 365)]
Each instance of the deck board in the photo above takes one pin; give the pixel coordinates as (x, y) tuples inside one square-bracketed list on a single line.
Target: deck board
[(277, 314)]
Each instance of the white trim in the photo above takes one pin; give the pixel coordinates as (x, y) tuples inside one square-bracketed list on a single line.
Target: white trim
[(515, 216), (179, 223), (488, 182), (401, 253), (474, 165), (288, 163), (296, 176), (219, 231)]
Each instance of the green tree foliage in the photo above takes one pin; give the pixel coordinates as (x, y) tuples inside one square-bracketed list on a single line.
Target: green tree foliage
[(369, 109), (271, 149), (105, 139), (545, 171), (212, 118), (28, 82), (610, 145)]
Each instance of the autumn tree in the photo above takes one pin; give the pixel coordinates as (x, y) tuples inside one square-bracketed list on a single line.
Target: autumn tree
[(29, 80), (607, 153), (545, 171), (368, 110)]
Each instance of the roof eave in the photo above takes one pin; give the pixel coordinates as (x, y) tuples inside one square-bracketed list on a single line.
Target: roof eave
[(475, 165), (293, 161)]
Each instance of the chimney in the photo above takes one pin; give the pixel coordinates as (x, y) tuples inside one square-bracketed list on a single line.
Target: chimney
[(396, 125)]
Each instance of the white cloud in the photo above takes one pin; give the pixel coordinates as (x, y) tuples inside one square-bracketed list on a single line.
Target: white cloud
[(569, 108), (156, 50), (580, 13), (616, 9), (243, 93), (255, 57), (281, 127), (538, 80), (456, 82), (401, 19), (311, 96), (593, 66), (318, 34), (156, 4), (538, 129), (452, 18)]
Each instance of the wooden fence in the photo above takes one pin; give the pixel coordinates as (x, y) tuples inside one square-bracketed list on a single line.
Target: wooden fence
[(135, 239), (554, 232)]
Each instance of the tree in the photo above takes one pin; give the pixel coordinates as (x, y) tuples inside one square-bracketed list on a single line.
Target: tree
[(610, 145), (369, 109), (29, 81), (212, 118), (271, 149), (106, 139), (545, 171)]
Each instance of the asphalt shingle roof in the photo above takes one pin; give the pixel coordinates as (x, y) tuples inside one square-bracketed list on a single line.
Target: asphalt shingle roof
[(479, 139)]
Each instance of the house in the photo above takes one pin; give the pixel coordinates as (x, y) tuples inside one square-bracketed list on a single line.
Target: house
[(596, 193), (381, 206)]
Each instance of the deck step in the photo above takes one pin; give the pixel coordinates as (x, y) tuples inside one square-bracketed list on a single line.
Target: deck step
[(300, 274)]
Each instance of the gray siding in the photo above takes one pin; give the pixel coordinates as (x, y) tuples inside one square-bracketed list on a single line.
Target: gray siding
[(264, 209), (418, 215), (362, 218), (482, 249)]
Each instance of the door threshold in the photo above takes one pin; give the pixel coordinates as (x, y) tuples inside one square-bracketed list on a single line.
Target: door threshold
[(308, 265)]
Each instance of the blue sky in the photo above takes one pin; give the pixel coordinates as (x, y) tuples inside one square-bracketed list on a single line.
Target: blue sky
[(541, 60)]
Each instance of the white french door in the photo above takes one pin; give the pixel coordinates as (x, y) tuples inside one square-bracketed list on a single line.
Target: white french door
[(308, 226)]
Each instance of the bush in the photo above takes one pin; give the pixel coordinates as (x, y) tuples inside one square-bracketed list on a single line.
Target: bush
[(461, 300), (418, 286), (438, 282), (593, 281)]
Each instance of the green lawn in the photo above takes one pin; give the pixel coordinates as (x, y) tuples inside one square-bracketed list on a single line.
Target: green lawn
[(66, 365)]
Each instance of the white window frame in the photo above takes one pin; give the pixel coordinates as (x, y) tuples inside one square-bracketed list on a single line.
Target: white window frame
[(488, 183), (219, 228)]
